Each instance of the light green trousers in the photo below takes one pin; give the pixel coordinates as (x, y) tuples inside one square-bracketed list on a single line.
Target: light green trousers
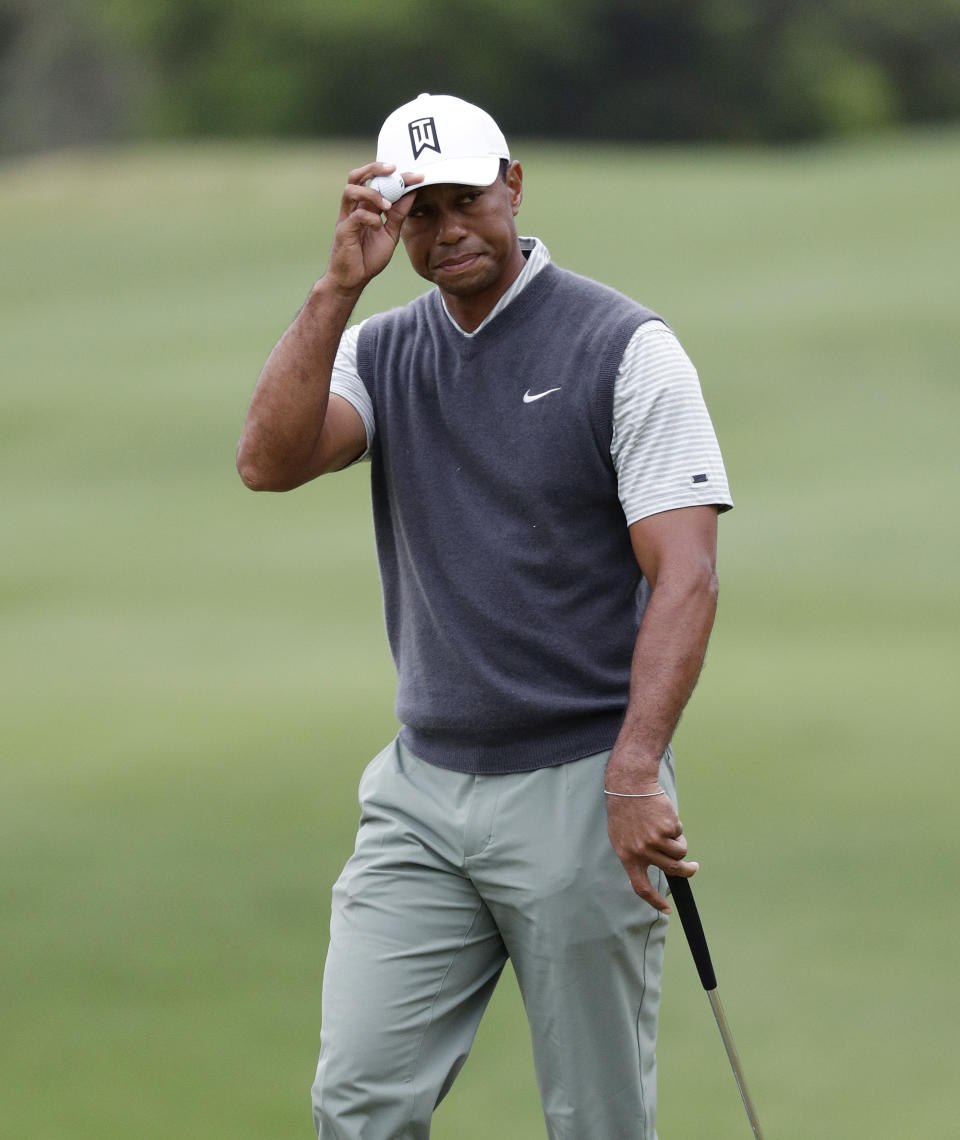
[(452, 874)]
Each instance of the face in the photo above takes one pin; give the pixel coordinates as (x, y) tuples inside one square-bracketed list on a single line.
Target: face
[(464, 238)]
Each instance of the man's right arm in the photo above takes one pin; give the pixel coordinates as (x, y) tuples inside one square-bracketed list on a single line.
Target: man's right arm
[(294, 429)]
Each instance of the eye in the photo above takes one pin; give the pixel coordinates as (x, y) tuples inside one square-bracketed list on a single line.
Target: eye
[(471, 197)]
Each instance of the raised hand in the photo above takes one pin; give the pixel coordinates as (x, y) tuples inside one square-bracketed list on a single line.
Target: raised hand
[(368, 228)]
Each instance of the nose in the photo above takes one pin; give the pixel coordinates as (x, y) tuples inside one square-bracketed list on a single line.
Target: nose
[(450, 227)]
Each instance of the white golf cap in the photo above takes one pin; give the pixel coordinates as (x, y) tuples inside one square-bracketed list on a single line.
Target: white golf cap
[(445, 139)]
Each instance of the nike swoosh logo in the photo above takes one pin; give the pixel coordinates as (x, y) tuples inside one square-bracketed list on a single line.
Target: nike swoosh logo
[(528, 398)]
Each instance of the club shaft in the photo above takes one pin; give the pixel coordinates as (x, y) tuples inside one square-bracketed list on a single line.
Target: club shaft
[(734, 1059), (696, 940)]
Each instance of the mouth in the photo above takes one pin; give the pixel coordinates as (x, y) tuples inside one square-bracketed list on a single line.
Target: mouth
[(457, 264)]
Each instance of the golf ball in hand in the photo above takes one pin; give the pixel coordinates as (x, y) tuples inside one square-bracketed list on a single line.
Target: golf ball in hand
[(391, 186)]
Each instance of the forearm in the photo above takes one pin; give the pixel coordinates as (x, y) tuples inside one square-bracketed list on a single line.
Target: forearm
[(293, 431), (667, 660), (281, 444)]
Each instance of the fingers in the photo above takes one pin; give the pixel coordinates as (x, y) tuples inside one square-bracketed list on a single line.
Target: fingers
[(668, 854), (396, 215), (673, 845), (411, 179), (358, 196), (640, 881)]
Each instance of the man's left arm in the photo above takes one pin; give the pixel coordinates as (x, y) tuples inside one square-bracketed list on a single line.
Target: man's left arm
[(676, 550)]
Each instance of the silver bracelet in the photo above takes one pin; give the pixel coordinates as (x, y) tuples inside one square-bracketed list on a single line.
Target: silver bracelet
[(635, 795)]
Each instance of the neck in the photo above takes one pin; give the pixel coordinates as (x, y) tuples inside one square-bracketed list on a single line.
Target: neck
[(471, 311)]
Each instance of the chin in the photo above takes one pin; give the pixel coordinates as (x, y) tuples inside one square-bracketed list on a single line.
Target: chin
[(463, 288), (466, 286)]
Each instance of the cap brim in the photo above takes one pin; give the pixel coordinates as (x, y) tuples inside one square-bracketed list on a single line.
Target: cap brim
[(458, 172)]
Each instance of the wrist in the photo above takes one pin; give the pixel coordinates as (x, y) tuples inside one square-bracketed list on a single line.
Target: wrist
[(632, 777), (329, 291)]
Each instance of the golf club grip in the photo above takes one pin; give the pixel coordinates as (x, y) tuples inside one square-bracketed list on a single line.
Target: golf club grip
[(693, 929)]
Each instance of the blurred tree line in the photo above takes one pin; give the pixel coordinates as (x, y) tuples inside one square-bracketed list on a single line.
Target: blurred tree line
[(81, 71)]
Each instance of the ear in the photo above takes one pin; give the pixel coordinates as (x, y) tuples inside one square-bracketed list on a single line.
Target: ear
[(515, 186)]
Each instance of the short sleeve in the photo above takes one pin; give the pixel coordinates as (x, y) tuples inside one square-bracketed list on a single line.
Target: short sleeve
[(345, 381), (664, 447)]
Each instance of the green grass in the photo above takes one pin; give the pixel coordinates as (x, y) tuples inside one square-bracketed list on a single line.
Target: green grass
[(194, 676)]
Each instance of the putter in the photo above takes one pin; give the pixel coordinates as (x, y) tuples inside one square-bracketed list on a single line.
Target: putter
[(696, 940)]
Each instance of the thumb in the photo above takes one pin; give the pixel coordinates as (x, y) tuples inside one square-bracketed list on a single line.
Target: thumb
[(397, 215)]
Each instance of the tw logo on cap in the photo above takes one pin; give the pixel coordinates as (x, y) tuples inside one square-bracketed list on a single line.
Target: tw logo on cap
[(423, 136)]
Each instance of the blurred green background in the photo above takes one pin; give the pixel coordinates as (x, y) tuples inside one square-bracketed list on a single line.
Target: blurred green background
[(194, 676), (80, 71)]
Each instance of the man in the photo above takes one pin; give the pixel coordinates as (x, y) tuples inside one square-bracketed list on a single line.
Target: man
[(544, 476)]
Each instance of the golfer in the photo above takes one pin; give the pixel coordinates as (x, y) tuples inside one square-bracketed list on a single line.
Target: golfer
[(545, 483)]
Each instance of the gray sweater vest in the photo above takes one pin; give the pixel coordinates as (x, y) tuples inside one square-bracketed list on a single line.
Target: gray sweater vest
[(511, 592)]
